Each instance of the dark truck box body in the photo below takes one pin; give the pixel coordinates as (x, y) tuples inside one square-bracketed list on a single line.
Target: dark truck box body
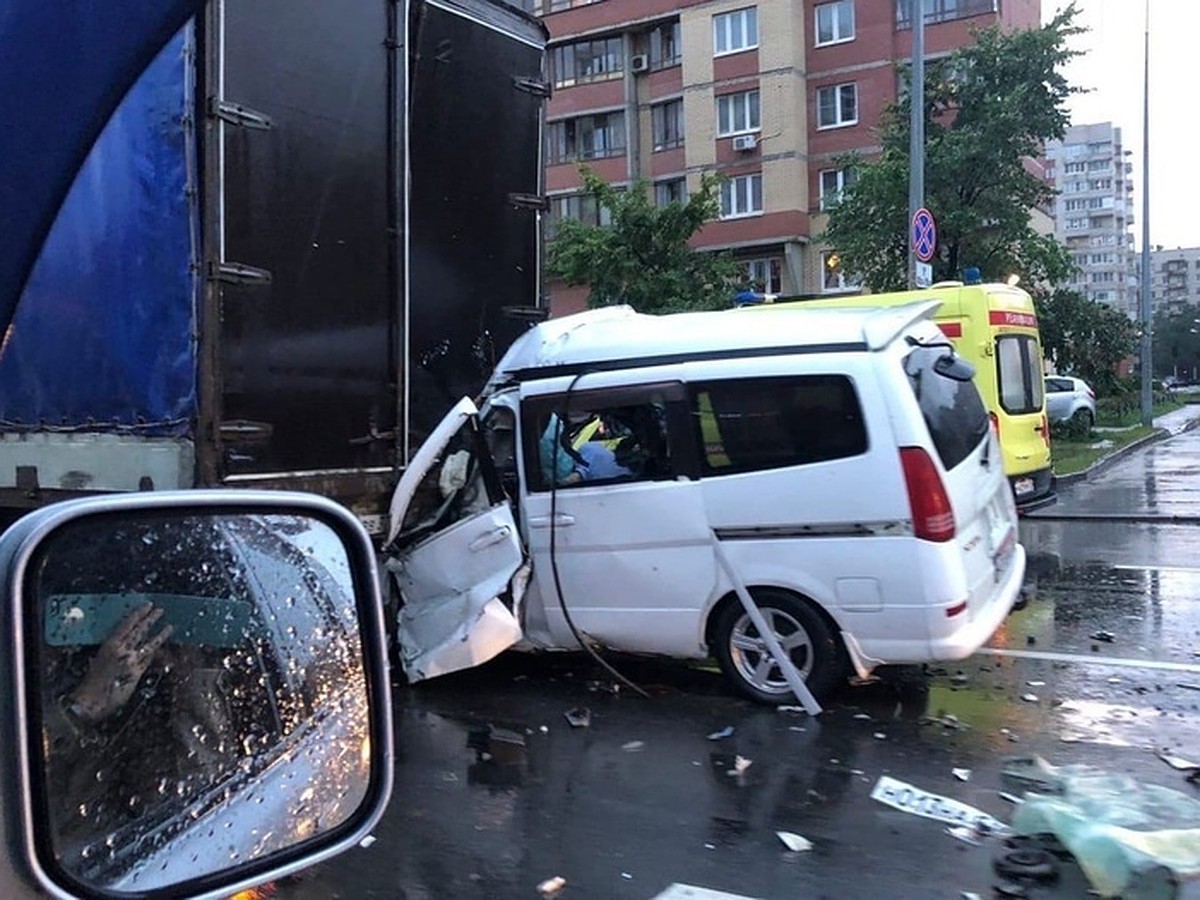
[(307, 230)]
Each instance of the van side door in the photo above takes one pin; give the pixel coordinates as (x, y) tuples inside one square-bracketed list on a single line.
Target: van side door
[(612, 515)]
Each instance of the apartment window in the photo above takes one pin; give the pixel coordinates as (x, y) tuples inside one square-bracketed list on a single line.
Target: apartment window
[(741, 196), (584, 61), (735, 31), (833, 184), (834, 278), (1076, 223), (587, 137), (1075, 168), (837, 105), (737, 113), (765, 275), (942, 10), (670, 190), (666, 46), (835, 22), (667, 121), (577, 206)]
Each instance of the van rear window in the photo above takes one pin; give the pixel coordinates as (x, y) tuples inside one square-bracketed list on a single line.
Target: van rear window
[(953, 409), (749, 424), (1018, 370)]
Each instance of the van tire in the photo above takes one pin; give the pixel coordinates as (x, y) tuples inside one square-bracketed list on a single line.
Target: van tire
[(748, 665)]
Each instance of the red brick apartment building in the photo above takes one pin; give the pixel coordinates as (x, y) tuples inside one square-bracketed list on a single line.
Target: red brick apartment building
[(767, 93)]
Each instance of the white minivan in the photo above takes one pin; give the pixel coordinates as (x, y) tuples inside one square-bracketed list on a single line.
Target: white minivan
[(843, 460)]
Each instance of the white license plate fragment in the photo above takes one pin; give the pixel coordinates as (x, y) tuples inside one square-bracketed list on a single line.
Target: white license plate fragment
[(907, 798), (1023, 486)]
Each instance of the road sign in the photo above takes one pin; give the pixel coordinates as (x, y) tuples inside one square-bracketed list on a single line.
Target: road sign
[(924, 235), (924, 275)]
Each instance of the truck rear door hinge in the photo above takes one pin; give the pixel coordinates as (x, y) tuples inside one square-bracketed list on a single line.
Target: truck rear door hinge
[(530, 201), (236, 114), (534, 86), (237, 273)]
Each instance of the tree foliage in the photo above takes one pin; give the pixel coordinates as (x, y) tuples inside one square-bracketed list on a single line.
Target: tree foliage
[(989, 108), (1085, 338), (1177, 342), (643, 258)]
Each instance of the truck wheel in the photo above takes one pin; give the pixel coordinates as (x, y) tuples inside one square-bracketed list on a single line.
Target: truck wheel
[(803, 633)]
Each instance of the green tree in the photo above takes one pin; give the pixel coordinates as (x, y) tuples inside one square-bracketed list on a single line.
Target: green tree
[(1085, 338), (989, 108), (1177, 342), (642, 257)]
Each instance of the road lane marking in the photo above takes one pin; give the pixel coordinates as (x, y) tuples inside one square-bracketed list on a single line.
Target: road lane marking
[(691, 892), (1191, 570), (1092, 659)]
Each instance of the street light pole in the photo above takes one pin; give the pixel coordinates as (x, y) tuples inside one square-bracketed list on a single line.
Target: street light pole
[(916, 140), (1147, 338)]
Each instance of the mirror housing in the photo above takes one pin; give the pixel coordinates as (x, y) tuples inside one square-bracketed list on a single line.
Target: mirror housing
[(194, 696)]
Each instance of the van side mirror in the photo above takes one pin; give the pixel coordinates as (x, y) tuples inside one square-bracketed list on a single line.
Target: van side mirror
[(195, 685)]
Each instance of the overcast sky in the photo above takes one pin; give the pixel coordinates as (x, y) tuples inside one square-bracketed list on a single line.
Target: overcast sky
[(1112, 67)]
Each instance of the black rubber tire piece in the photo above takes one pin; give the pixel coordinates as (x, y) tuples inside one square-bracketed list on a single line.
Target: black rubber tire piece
[(1037, 865), (828, 661)]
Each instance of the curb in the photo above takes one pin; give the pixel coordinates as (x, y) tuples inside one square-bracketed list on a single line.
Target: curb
[(1104, 462)]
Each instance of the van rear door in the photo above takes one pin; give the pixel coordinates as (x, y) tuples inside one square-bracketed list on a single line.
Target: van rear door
[(984, 515), (1024, 433)]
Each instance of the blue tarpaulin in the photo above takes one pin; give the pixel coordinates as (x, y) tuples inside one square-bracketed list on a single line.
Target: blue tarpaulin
[(103, 336)]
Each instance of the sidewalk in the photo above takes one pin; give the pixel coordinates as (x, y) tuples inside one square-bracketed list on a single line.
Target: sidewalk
[(1167, 425)]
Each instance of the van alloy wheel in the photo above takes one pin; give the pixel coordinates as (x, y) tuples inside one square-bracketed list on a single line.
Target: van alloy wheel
[(800, 630)]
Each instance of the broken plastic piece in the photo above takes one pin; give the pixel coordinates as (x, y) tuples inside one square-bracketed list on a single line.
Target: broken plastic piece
[(725, 732), (961, 774), (580, 717), (1030, 698), (633, 746), (964, 834), (794, 842), (1106, 637), (790, 708), (552, 886), (740, 765), (1178, 762), (367, 841), (1130, 839)]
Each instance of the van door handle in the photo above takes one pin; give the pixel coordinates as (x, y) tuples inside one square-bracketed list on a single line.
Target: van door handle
[(560, 519), (495, 536)]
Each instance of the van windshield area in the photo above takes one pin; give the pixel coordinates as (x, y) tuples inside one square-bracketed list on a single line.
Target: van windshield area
[(953, 409)]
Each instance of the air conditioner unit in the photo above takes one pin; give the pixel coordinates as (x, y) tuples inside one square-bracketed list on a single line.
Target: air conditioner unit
[(744, 142), (640, 63)]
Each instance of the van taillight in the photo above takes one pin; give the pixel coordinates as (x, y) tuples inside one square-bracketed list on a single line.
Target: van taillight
[(995, 420), (933, 517)]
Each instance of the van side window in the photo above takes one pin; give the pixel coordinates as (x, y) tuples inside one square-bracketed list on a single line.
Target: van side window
[(748, 424), (599, 438), (1019, 373)]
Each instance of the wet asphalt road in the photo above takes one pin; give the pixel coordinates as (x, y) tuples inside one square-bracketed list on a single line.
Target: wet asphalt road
[(481, 812)]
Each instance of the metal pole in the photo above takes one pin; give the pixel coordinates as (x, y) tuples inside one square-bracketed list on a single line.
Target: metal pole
[(916, 141), (1147, 338)]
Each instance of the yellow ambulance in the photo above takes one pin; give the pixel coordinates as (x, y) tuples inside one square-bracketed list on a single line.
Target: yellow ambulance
[(994, 326)]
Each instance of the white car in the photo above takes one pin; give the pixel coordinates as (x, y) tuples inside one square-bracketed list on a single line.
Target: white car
[(838, 467), (1070, 399)]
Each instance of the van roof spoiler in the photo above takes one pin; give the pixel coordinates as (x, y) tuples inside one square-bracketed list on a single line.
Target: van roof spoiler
[(886, 323)]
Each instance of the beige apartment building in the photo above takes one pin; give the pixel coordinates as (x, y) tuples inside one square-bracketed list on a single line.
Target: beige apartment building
[(767, 93)]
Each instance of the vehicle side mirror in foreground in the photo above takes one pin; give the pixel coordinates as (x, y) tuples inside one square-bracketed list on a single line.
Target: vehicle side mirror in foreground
[(193, 692)]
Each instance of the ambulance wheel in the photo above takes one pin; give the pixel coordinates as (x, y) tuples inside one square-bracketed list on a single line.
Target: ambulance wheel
[(802, 632)]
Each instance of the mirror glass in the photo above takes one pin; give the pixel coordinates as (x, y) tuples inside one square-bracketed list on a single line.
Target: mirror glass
[(202, 692)]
